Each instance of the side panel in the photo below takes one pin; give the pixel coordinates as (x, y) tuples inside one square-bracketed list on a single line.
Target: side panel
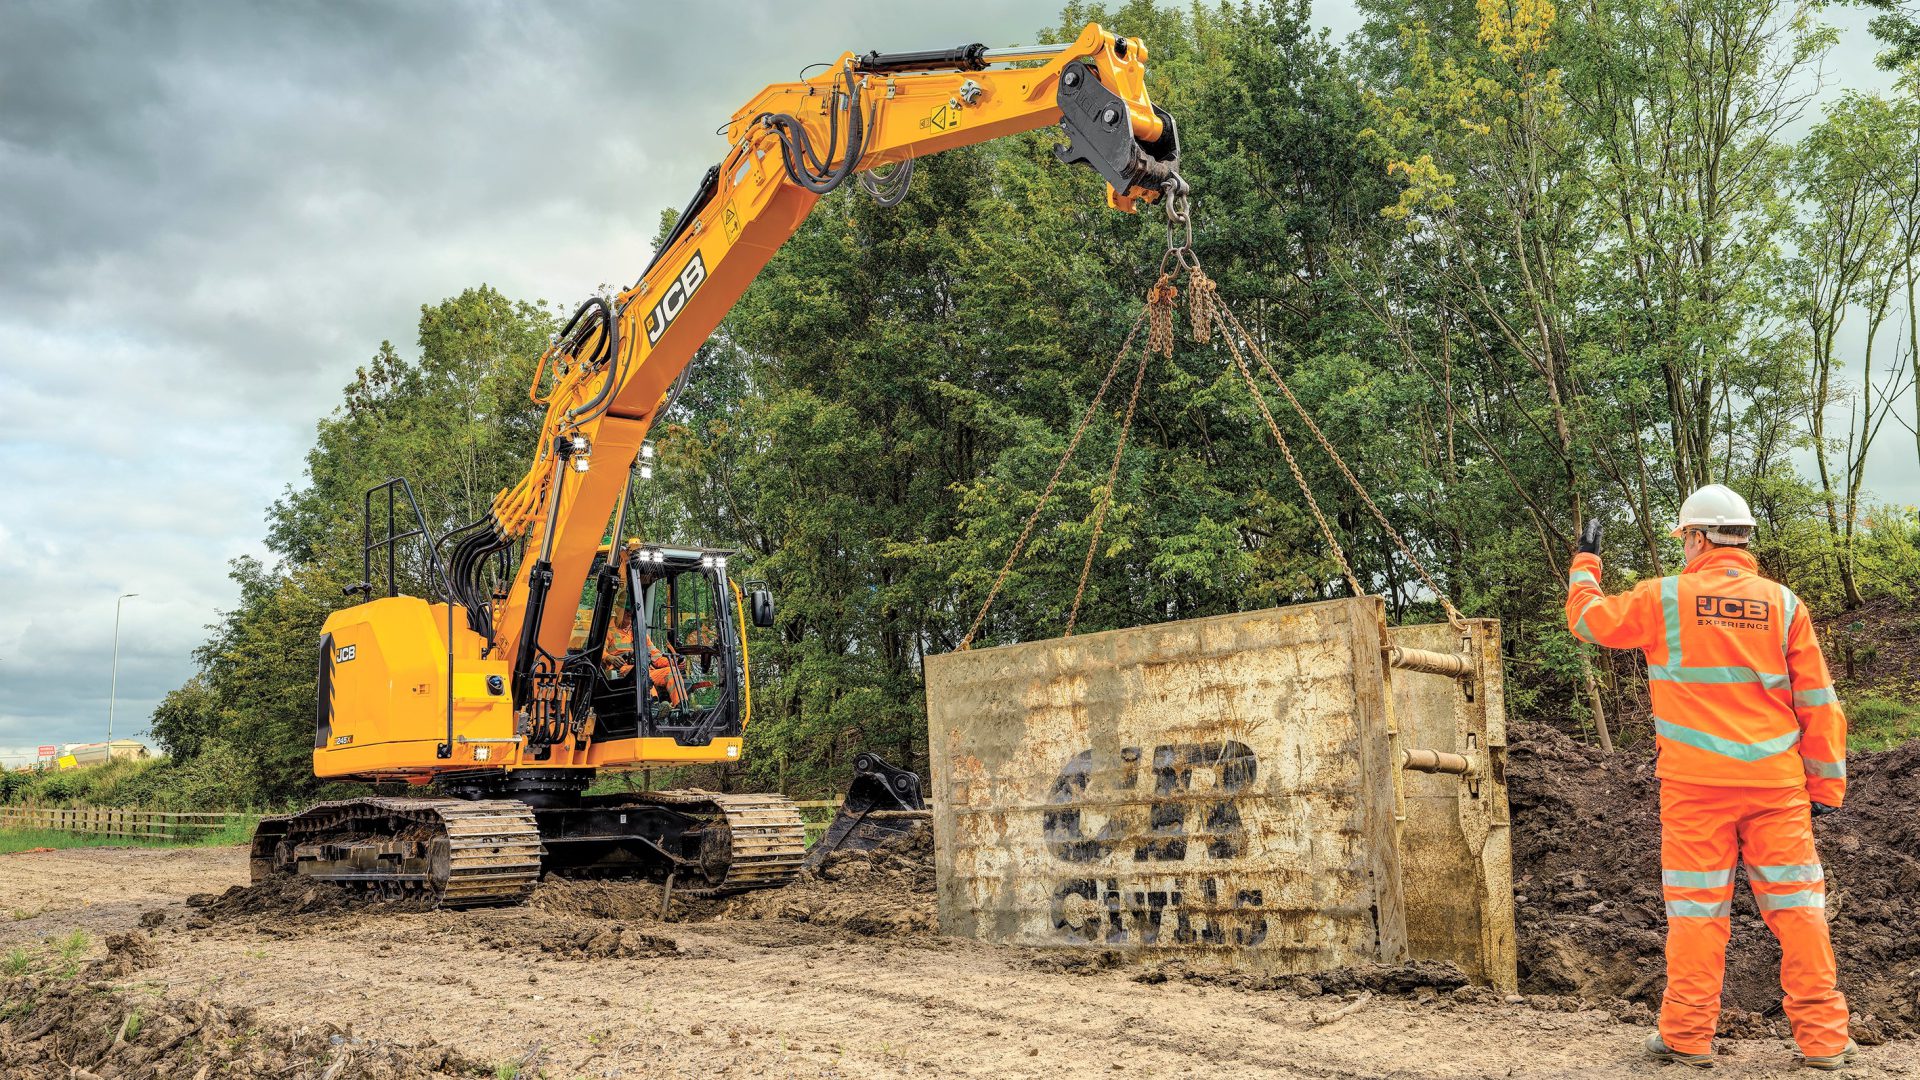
[(1215, 789), (1457, 850), (388, 680)]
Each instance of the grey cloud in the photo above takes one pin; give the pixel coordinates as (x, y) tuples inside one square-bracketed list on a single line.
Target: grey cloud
[(212, 211)]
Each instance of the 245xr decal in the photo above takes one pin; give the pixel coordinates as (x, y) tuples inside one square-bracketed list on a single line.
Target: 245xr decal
[(674, 300)]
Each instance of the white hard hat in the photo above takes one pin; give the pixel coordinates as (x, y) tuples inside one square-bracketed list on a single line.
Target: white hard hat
[(1713, 506)]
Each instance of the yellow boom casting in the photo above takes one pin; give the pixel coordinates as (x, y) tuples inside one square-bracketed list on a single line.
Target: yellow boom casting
[(517, 685)]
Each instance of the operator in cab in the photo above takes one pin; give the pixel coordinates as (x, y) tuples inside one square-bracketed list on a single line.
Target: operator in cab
[(618, 658)]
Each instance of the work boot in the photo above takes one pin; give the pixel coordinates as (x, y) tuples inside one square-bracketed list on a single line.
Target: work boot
[(1658, 1050), (1830, 1062)]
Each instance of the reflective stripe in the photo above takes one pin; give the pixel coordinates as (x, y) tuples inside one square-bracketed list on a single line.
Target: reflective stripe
[(1826, 770), (1782, 901), (1777, 875), (1694, 909), (1583, 577), (1788, 602), (1727, 747), (1722, 675), (1670, 603), (1823, 695), (1580, 627), (1697, 879)]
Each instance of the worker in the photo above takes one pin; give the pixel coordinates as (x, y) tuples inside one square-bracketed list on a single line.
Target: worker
[(618, 655), (619, 659), (1752, 747)]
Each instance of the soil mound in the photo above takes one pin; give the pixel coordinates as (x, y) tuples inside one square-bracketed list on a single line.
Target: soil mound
[(59, 1029), (600, 899), (1591, 921), (1399, 980), (288, 895), (516, 930), (126, 953), (885, 892)]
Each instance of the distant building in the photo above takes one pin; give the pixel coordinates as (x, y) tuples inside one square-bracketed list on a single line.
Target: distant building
[(76, 755)]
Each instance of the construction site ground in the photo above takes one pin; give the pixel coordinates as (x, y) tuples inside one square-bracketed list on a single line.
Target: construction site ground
[(845, 975)]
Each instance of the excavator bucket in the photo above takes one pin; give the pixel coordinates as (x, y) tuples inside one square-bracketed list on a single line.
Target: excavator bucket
[(882, 802)]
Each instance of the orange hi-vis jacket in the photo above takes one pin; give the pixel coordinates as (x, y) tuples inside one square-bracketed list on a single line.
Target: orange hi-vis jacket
[(1741, 694)]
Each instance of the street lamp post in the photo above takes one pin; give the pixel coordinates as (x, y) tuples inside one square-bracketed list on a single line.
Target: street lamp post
[(113, 688)]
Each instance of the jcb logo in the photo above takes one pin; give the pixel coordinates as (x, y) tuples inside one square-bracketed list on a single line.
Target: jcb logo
[(1731, 607), (675, 300)]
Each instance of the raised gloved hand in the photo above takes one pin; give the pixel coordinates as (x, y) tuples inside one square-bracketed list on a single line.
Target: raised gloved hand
[(1821, 809), (1590, 537)]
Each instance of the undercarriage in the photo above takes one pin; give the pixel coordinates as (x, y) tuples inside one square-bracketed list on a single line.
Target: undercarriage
[(468, 851)]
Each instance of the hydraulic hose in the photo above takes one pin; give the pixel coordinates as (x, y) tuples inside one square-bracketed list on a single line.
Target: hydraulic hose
[(816, 172), (609, 353)]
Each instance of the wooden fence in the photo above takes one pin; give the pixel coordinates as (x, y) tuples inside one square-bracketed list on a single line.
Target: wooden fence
[(170, 825), (166, 825)]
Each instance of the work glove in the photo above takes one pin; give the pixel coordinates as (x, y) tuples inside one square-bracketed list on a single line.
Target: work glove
[(1590, 537), (1821, 809)]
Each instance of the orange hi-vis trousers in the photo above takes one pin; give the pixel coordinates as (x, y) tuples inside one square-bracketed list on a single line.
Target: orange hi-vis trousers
[(1703, 829)]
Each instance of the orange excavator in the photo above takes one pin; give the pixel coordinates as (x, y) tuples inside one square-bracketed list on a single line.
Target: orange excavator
[(549, 655)]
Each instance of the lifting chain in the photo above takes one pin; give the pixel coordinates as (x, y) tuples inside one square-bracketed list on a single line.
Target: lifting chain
[(1113, 471), (1046, 493), (1160, 302), (1206, 314), (1231, 328)]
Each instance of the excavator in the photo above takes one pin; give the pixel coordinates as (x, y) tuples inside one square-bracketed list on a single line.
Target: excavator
[(552, 654)]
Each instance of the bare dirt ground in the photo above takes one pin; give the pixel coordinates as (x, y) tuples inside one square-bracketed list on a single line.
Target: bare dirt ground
[(812, 981)]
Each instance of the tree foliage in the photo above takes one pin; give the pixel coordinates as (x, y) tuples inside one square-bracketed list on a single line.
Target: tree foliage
[(1525, 264)]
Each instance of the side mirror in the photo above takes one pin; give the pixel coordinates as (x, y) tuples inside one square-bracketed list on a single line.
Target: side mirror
[(760, 607)]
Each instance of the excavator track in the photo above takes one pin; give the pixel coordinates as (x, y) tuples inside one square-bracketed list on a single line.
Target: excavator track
[(748, 842), (456, 852), (469, 853)]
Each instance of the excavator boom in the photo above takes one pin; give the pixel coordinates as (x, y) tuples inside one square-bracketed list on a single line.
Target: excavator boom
[(611, 375), (598, 654)]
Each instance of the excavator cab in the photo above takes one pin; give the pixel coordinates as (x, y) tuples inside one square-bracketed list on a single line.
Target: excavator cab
[(672, 663)]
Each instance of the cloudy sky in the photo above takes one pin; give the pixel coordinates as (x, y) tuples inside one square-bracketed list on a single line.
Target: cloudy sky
[(211, 212)]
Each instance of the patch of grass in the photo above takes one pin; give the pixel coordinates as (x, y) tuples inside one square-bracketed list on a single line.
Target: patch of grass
[(12, 840), (1876, 722), (506, 1070), (131, 1029), (70, 949), (237, 830), (17, 962)]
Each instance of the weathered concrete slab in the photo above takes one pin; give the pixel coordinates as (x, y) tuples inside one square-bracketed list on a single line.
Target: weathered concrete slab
[(1228, 791), (1219, 789)]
